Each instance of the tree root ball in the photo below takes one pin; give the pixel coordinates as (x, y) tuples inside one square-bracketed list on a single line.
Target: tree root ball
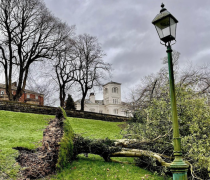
[(42, 161)]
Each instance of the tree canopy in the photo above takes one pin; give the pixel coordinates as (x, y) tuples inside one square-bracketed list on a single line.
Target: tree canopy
[(29, 33)]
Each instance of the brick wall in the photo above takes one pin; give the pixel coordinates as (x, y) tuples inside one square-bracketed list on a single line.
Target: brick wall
[(22, 98), (41, 100)]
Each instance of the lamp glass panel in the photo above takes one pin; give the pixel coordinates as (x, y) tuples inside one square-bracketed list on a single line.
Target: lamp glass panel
[(163, 23), (160, 32), (173, 30), (173, 27), (166, 32), (172, 21)]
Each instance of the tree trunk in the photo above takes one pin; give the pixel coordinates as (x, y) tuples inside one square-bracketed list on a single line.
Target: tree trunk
[(62, 96), (82, 104), (83, 100), (115, 148)]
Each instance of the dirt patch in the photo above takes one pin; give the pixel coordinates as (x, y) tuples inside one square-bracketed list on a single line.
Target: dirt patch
[(123, 126), (42, 161)]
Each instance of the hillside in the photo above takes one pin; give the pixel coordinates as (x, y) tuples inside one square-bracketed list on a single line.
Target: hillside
[(24, 129)]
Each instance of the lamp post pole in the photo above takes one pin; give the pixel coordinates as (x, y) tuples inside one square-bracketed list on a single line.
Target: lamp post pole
[(165, 24), (178, 166)]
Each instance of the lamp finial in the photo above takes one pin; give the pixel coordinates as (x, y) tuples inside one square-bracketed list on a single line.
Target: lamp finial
[(163, 9)]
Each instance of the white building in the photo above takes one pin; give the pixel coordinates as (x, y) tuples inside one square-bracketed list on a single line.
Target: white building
[(111, 103)]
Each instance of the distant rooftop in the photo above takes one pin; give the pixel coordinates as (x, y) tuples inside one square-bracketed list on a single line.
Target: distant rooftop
[(14, 87), (111, 82)]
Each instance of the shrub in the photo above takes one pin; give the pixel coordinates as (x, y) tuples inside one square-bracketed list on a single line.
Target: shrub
[(194, 127)]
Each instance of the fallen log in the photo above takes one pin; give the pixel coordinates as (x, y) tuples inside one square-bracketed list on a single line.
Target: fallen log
[(125, 152), (113, 148)]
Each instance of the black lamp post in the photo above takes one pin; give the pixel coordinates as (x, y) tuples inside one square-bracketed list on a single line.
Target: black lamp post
[(165, 24)]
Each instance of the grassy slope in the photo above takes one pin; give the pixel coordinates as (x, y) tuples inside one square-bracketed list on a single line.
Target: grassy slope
[(22, 129), (96, 129)]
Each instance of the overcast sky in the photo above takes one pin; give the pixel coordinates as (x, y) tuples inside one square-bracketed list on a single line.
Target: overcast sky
[(130, 41)]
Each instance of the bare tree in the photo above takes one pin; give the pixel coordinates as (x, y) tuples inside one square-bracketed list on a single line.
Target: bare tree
[(195, 78), (64, 69), (39, 83), (29, 33), (90, 68), (150, 87), (54, 76)]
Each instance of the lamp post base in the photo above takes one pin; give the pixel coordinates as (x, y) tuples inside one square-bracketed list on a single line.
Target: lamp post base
[(180, 176), (179, 168)]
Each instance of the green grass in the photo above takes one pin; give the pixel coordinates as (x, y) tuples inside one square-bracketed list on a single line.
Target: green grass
[(18, 129), (96, 129), (24, 129), (94, 167)]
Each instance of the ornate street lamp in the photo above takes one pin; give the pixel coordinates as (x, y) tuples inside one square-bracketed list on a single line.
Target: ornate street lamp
[(165, 24)]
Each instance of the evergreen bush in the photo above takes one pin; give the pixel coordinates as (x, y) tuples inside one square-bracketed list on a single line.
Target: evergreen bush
[(70, 103)]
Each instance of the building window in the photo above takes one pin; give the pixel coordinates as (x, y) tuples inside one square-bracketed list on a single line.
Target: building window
[(115, 101), (115, 90), (28, 95), (36, 97), (92, 110), (2, 92), (115, 111), (100, 111)]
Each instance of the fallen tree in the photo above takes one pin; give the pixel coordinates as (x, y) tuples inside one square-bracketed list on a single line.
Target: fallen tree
[(60, 146), (107, 148)]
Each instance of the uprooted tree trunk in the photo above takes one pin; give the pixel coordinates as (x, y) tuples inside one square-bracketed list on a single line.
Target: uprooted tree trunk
[(42, 161)]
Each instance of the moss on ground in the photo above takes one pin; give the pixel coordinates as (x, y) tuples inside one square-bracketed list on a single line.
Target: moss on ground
[(66, 144)]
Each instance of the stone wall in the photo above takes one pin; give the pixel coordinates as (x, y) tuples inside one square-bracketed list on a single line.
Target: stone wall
[(28, 108)]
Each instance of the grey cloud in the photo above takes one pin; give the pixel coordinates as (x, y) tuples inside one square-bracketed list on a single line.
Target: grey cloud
[(129, 39)]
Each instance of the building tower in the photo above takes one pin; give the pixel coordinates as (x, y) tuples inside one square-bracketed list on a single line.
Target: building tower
[(112, 97)]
